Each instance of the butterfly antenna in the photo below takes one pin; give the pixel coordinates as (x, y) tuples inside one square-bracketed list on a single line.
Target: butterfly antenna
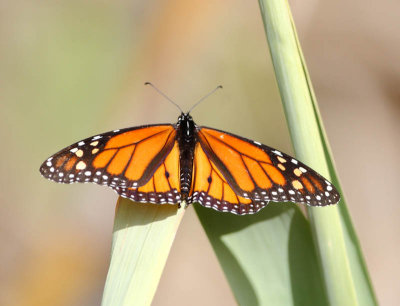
[(205, 97), (164, 95)]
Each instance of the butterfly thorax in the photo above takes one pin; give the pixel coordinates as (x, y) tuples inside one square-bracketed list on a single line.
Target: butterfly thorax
[(186, 136)]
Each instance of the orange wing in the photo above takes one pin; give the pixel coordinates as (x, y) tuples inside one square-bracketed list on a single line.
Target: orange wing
[(210, 188), (140, 163), (163, 187), (256, 173)]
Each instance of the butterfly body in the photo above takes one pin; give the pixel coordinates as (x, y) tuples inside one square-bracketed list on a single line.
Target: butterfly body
[(172, 163), (186, 138)]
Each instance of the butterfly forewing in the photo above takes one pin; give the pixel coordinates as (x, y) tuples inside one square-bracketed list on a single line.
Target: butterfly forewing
[(260, 173), (122, 159)]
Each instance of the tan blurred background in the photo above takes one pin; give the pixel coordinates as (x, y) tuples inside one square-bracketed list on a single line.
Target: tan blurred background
[(72, 69)]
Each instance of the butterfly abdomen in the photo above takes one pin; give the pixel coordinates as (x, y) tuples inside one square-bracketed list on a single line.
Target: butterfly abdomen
[(187, 140), (186, 173)]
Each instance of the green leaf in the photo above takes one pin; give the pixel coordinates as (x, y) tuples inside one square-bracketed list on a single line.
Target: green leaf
[(142, 238), (345, 274), (268, 258)]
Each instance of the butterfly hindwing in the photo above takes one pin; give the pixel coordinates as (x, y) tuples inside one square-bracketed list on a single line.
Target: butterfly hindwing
[(163, 187), (126, 159), (260, 173), (211, 189)]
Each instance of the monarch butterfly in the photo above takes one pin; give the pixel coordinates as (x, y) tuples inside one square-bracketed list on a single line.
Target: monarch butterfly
[(172, 163)]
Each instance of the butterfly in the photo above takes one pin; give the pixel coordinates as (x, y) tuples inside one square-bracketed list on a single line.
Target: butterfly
[(184, 162)]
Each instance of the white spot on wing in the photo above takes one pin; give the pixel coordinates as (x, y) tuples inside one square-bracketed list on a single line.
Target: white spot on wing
[(277, 152), (81, 165)]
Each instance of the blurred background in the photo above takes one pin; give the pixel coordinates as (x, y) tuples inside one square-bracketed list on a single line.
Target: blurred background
[(76, 68)]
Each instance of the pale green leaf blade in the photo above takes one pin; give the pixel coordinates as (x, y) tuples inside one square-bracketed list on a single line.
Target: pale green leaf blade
[(142, 238), (345, 273)]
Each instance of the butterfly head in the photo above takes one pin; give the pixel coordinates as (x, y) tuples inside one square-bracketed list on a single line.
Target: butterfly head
[(185, 118)]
